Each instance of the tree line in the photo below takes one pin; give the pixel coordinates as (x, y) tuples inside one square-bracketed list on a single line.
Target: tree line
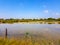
[(12, 20)]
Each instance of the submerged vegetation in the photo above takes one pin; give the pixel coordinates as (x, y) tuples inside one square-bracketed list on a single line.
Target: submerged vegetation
[(28, 39), (49, 20)]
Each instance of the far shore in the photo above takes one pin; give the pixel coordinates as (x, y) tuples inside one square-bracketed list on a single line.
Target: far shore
[(37, 22)]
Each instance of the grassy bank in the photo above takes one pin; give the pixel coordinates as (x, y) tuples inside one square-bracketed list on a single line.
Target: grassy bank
[(24, 41), (28, 40)]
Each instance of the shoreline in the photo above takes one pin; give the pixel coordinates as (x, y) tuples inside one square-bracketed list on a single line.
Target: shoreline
[(41, 22)]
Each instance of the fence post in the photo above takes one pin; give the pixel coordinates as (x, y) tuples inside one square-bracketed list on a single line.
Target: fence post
[(6, 33)]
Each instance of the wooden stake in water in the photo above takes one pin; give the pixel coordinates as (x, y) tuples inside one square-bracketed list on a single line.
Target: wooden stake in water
[(6, 33)]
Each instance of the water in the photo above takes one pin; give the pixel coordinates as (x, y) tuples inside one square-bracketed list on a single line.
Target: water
[(47, 30)]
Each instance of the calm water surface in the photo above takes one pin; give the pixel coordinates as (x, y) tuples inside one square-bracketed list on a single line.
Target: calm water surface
[(44, 29)]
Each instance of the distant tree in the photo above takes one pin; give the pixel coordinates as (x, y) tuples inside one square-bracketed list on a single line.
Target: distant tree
[(58, 19), (51, 19), (41, 19), (11, 19)]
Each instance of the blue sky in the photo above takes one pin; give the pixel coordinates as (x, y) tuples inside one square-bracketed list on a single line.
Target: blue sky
[(29, 8)]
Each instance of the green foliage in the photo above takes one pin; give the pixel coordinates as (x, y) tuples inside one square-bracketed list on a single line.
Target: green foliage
[(50, 19), (11, 20), (58, 19)]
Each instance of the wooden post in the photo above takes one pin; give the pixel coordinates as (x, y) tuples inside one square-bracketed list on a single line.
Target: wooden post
[(6, 33)]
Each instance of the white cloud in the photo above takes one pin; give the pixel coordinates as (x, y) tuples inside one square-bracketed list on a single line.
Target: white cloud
[(46, 11), (57, 14)]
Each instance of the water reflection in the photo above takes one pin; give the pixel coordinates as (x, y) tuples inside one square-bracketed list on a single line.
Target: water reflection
[(44, 29)]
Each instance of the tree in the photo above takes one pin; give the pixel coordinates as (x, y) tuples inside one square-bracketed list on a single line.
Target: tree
[(58, 19)]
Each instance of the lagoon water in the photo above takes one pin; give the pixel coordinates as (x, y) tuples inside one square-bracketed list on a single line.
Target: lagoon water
[(50, 30)]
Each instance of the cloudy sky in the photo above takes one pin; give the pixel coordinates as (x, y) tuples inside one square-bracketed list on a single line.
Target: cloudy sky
[(29, 8)]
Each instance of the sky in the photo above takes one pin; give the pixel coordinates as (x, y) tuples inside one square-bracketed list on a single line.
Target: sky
[(29, 8)]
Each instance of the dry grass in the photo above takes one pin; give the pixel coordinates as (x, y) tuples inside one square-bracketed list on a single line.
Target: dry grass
[(28, 40)]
